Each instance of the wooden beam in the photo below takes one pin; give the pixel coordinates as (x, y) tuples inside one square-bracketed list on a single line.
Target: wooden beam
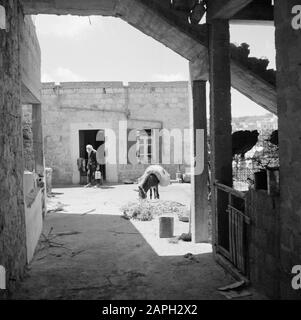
[(199, 170), (220, 126), (288, 48), (165, 26), (224, 9), (82, 8), (244, 81), (256, 11), (155, 19), (192, 43), (220, 101), (253, 87)]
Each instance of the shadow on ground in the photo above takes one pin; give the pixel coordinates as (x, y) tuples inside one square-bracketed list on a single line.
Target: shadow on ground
[(105, 257), (88, 251)]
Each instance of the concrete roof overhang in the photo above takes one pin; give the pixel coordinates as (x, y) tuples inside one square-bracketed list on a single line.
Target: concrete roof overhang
[(171, 28)]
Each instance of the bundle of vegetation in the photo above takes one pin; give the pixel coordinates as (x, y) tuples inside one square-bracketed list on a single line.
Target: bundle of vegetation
[(147, 210), (243, 141)]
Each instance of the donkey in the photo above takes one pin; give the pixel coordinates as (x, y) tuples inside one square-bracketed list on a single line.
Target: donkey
[(150, 183)]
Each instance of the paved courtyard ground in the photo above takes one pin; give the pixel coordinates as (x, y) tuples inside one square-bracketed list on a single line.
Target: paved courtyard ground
[(89, 251)]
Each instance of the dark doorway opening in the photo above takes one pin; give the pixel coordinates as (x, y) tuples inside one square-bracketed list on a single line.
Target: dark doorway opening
[(96, 138)]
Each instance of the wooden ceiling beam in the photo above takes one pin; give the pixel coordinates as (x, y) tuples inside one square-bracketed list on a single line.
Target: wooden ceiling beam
[(256, 11), (224, 9)]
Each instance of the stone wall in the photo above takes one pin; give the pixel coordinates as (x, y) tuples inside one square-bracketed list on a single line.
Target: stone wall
[(28, 154), (71, 107), (288, 59), (12, 218), (264, 242)]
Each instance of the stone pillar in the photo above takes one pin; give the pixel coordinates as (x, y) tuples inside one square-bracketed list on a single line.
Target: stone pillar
[(220, 122), (199, 174), (12, 215), (37, 133), (288, 49)]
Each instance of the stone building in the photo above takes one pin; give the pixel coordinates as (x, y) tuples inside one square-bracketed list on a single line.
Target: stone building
[(268, 242), (75, 114)]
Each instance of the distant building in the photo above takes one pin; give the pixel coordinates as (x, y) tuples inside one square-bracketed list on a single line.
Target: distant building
[(77, 114), (267, 122)]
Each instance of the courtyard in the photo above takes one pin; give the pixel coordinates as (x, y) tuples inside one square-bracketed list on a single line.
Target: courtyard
[(89, 251), (169, 68)]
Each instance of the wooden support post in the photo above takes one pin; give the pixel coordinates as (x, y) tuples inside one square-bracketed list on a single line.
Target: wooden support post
[(220, 125), (199, 174), (288, 48)]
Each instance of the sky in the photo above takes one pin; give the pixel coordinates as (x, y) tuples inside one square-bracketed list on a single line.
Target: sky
[(108, 49)]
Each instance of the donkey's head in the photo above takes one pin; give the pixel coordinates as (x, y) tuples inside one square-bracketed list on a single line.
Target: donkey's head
[(149, 182), (142, 193)]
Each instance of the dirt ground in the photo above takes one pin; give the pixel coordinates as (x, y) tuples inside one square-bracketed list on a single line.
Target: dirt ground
[(89, 251)]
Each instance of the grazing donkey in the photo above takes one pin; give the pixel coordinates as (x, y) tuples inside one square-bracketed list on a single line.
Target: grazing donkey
[(150, 183)]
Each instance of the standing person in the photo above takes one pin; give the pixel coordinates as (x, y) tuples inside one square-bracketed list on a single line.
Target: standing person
[(92, 165)]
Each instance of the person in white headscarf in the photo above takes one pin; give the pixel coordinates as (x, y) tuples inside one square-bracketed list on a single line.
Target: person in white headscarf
[(92, 165)]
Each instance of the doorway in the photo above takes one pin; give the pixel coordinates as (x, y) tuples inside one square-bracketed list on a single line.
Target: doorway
[(96, 138)]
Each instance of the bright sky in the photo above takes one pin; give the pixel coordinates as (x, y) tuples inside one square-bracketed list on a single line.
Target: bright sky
[(108, 49)]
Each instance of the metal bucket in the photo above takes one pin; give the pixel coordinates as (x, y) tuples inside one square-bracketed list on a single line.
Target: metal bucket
[(166, 227)]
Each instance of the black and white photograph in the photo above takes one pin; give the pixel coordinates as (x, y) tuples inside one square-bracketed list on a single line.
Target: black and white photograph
[(150, 154)]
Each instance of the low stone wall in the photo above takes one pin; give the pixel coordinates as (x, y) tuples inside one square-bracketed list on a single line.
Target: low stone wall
[(33, 212), (264, 242)]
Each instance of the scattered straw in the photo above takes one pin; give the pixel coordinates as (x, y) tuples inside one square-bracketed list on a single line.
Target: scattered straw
[(146, 210)]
